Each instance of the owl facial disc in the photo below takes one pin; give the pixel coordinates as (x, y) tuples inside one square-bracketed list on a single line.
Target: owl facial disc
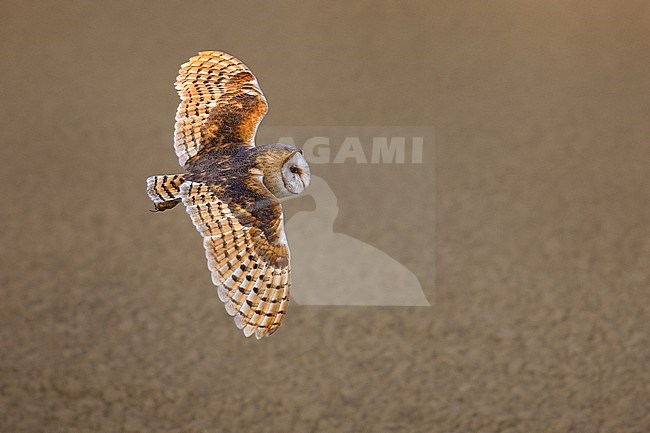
[(295, 173)]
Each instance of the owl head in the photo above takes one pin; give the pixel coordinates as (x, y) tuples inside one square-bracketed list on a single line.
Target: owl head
[(285, 170)]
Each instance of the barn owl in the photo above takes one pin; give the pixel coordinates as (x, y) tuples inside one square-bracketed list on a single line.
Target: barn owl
[(230, 188)]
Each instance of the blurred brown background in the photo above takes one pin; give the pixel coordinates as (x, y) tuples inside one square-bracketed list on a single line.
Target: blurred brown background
[(540, 232)]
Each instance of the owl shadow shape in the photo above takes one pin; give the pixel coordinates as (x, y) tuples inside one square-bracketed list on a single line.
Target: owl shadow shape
[(330, 268)]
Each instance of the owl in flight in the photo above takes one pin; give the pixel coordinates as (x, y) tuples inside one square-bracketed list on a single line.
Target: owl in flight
[(230, 188)]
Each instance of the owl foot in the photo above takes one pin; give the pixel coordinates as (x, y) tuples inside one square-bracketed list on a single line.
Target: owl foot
[(164, 205)]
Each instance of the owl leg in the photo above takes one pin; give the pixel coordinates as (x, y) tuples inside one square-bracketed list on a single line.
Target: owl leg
[(159, 207), (164, 191)]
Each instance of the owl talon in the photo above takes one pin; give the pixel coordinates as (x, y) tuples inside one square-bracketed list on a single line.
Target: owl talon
[(164, 205)]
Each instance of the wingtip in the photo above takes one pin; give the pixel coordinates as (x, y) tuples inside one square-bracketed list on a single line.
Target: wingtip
[(239, 321), (248, 331)]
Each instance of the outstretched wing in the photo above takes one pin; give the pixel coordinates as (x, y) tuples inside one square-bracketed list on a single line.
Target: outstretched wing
[(221, 104), (247, 251)]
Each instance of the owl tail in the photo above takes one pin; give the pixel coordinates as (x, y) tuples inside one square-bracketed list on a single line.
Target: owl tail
[(165, 190)]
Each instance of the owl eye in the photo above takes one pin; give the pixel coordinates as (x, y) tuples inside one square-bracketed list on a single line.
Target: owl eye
[(294, 169)]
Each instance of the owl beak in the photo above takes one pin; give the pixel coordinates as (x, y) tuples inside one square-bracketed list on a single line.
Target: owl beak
[(305, 178)]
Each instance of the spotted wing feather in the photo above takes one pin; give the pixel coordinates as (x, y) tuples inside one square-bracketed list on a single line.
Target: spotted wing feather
[(221, 104), (249, 267)]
